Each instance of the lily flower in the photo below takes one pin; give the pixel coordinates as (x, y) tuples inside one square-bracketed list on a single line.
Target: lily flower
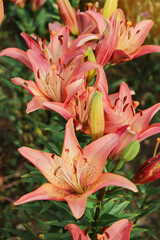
[(123, 42), (76, 174), (121, 118), (119, 230), (67, 14), (1, 11), (149, 171)]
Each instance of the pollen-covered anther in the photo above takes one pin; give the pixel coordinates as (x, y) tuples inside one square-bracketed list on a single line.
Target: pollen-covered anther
[(56, 170), (134, 23), (135, 104), (38, 74), (60, 39), (124, 99), (129, 23), (80, 149), (129, 35), (52, 33), (43, 42), (53, 67), (116, 101), (85, 159), (140, 112), (89, 5), (60, 76), (125, 107)]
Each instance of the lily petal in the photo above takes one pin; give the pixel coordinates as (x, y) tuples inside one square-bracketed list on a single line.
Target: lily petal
[(151, 130), (60, 108), (96, 154), (119, 230), (36, 103), (71, 147), (146, 49), (18, 54), (77, 232), (142, 119), (46, 192), (47, 163), (111, 179)]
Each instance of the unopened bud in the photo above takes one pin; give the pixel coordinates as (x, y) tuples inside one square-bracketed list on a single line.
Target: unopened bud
[(109, 7), (96, 117), (1, 11), (67, 14), (148, 171), (130, 151), (89, 56)]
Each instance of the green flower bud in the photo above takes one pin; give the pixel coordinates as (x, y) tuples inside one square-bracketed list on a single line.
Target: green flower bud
[(96, 117), (130, 151), (89, 56), (109, 7)]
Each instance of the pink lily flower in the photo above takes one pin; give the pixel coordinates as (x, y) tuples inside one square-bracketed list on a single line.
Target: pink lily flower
[(149, 171), (76, 174), (121, 118), (60, 48), (1, 11), (123, 42), (120, 230)]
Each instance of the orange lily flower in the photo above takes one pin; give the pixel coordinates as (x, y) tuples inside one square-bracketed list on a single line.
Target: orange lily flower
[(76, 174)]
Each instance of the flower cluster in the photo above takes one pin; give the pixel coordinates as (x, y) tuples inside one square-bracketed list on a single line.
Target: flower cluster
[(70, 80)]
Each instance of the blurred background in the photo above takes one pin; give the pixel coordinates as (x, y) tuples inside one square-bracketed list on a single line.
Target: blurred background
[(45, 130)]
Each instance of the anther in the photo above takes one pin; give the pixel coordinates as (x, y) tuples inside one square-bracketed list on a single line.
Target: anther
[(124, 99), (125, 107), (56, 170), (80, 149), (60, 39), (140, 112)]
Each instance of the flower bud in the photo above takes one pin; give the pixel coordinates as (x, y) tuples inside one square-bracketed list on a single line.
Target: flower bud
[(1, 11), (109, 7), (130, 151), (96, 116), (36, 4), (89, 56), (67, 14), (148, 171)]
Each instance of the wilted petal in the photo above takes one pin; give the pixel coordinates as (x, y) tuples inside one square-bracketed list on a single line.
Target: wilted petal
[(46, 192)]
